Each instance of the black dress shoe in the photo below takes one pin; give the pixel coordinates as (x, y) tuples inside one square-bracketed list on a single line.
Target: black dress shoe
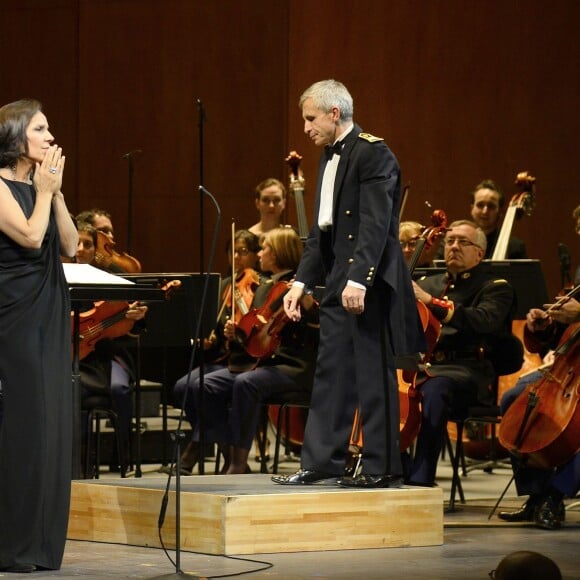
[(19, 568), (304, 477), (524, 514), (550, 514), (363, 480)]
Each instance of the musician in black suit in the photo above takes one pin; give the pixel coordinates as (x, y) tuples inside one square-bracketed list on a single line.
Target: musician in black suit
[(368, 313), (474, 309)]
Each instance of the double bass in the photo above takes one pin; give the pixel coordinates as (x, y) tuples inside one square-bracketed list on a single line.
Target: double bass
[(542, 426)]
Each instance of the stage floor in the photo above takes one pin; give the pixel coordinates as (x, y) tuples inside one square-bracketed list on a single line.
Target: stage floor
[(472, 545)]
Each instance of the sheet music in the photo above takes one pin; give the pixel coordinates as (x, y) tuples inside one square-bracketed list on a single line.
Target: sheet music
[(87, 274)]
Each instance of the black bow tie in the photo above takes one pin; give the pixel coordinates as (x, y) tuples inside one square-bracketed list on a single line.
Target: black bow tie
[(330, 150)]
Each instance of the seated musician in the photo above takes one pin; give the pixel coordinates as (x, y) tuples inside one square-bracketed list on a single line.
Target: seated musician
[(486, 207), (409, 234), (546, 488), (109, 369), (216, 348), (473, 307), (232, 396)]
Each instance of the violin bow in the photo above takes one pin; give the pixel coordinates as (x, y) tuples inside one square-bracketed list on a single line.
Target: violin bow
[(561, 301), (232, 285)]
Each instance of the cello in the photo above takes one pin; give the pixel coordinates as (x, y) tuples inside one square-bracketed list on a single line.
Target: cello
[(542, 426)]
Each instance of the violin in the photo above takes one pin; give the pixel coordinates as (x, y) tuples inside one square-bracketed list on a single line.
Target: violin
[(259, 329), (409, 395), (107, 320), (247, 280), (107, 258)]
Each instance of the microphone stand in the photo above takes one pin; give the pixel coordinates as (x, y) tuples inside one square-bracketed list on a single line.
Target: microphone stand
[(201, 367), (179, 436)]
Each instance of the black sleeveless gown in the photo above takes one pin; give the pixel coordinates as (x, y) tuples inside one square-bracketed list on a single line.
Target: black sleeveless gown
[(35, 371)]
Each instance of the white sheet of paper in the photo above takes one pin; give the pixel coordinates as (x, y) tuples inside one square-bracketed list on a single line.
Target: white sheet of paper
[(87, 274)]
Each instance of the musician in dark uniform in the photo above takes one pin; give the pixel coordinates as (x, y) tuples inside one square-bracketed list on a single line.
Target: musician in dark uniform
[(368, 313), (474, 308), (546, 488)]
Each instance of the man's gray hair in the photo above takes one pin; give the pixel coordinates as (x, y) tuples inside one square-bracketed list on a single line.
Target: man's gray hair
[(480, 237), (327, 94)]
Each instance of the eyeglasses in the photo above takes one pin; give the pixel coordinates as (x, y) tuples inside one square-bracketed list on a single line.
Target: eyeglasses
[(463, 242), (242, 251), (491, 574), (411, 244)]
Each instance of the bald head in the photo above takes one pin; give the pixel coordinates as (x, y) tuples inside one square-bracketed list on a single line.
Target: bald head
[(525, 565)]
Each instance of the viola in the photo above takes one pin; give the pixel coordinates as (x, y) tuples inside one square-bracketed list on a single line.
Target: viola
[(247, 281), (259, 330), (244, 289), (107, 320), (542, 426), (107, 258)]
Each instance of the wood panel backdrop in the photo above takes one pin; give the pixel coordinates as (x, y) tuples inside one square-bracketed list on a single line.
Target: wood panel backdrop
[(460, 90)]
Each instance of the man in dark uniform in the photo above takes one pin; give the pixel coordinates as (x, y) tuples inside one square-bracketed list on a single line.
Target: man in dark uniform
[(368, 313), (474, 309)]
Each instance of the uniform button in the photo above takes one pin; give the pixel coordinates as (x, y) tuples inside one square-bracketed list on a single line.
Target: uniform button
[(369, 278), (350, 237), (372, 269), (348, 212), (350, 260)]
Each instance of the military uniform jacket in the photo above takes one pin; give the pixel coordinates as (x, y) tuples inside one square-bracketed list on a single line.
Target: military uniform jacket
[(363, 242), (482, 309)]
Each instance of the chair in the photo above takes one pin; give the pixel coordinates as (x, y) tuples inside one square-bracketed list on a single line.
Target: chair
[(286, 402), (476, 416), (97, 408)]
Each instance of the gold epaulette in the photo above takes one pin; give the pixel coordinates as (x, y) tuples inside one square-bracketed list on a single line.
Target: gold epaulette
[(370, 138)]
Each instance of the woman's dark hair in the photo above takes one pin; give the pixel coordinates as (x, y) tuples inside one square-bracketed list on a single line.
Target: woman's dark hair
[(91, 230), (252, 241), (14, 119)]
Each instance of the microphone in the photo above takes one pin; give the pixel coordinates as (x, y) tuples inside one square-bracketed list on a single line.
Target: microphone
[(131, 153), (565, 263), (201, 111), (564, 255)]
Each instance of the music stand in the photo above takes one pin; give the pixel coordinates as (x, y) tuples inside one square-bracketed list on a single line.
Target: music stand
[(170, 329), (89, 284)]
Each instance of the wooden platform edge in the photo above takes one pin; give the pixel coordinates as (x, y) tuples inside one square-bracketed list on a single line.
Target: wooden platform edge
[(240, 523)]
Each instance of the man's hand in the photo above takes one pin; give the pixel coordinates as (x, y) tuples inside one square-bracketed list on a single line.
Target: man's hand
[(568, 313), (421, 295), (537, 320), (353, 299), (292, 303)]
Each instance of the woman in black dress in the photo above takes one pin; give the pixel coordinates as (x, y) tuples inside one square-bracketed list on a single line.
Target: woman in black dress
[(35, 358)]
